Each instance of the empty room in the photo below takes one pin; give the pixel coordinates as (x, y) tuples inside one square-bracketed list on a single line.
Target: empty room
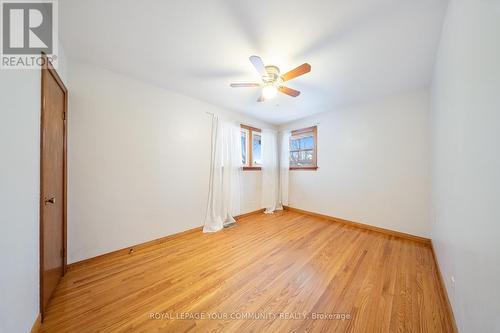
[(249, 166)]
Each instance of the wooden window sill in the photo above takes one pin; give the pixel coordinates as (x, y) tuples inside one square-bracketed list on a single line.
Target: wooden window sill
[(251, 168), (304, 168)]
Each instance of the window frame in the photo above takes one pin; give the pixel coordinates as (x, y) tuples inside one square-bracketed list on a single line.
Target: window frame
[(314, 131), (249, 146), (245, 132)]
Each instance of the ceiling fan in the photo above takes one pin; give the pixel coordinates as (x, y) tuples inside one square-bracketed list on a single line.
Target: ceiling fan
[(272, 81)]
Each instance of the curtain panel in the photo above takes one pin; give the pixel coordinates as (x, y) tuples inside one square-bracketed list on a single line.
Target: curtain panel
[(225, 175)]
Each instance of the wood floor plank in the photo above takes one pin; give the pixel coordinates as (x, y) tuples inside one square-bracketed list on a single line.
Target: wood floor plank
[(279, 270)]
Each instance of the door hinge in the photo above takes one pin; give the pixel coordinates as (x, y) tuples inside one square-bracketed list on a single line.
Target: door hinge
[(64, 115)]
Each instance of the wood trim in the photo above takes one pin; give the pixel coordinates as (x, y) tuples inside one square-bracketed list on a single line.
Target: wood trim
[(47, 68), (363, 226), (250, 128), (129, 249), (304, 130), (246, 168), (315, 156), (37, 324), (313, 129), (304, 168), (444, 292), (249, 214)]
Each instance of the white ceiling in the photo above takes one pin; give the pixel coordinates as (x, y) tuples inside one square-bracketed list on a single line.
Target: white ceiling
[(358, 50)]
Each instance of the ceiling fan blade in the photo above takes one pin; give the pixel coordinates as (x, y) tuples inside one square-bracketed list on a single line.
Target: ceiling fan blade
[(289, 91), (240, 85), (258, 64), (302, 69)]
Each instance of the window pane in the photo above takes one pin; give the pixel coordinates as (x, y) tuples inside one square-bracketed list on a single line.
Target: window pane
[(294, 144), (294, 158), (302, 158), (302, 148), (256, 148), (309, 156), (305, 158), (307, 142), (244, 147)]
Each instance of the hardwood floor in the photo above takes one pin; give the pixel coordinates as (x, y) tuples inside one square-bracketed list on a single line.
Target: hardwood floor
[(272, 267)]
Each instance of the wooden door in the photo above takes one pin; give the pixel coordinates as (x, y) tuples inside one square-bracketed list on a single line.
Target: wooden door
[(52, 184)]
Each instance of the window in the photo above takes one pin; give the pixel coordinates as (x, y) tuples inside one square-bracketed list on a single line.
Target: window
[(244, 136), (256, 151), (303, 149), (251, 144)]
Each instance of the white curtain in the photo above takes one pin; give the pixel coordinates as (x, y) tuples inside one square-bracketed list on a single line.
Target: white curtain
[(225, 175), (270, 171), (232, 170), (284, 152)]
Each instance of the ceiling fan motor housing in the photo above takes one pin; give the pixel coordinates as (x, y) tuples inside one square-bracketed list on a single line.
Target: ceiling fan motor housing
[(273, 75)]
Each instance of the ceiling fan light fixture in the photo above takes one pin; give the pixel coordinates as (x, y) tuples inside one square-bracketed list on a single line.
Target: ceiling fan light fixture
[(272, 80), (269, 91)]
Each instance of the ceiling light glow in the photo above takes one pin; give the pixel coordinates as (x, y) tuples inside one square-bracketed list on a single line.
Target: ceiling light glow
[(269, 92)]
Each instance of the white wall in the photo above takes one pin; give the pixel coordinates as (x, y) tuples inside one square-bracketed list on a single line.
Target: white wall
[(138, 162), (19, 196), (252, 191), (466, 162), (373, 164)]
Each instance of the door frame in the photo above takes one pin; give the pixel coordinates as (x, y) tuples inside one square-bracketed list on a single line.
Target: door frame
[(48, 69)]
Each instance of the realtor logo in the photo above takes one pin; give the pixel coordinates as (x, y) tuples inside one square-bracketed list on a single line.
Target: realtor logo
[(28, 29)]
